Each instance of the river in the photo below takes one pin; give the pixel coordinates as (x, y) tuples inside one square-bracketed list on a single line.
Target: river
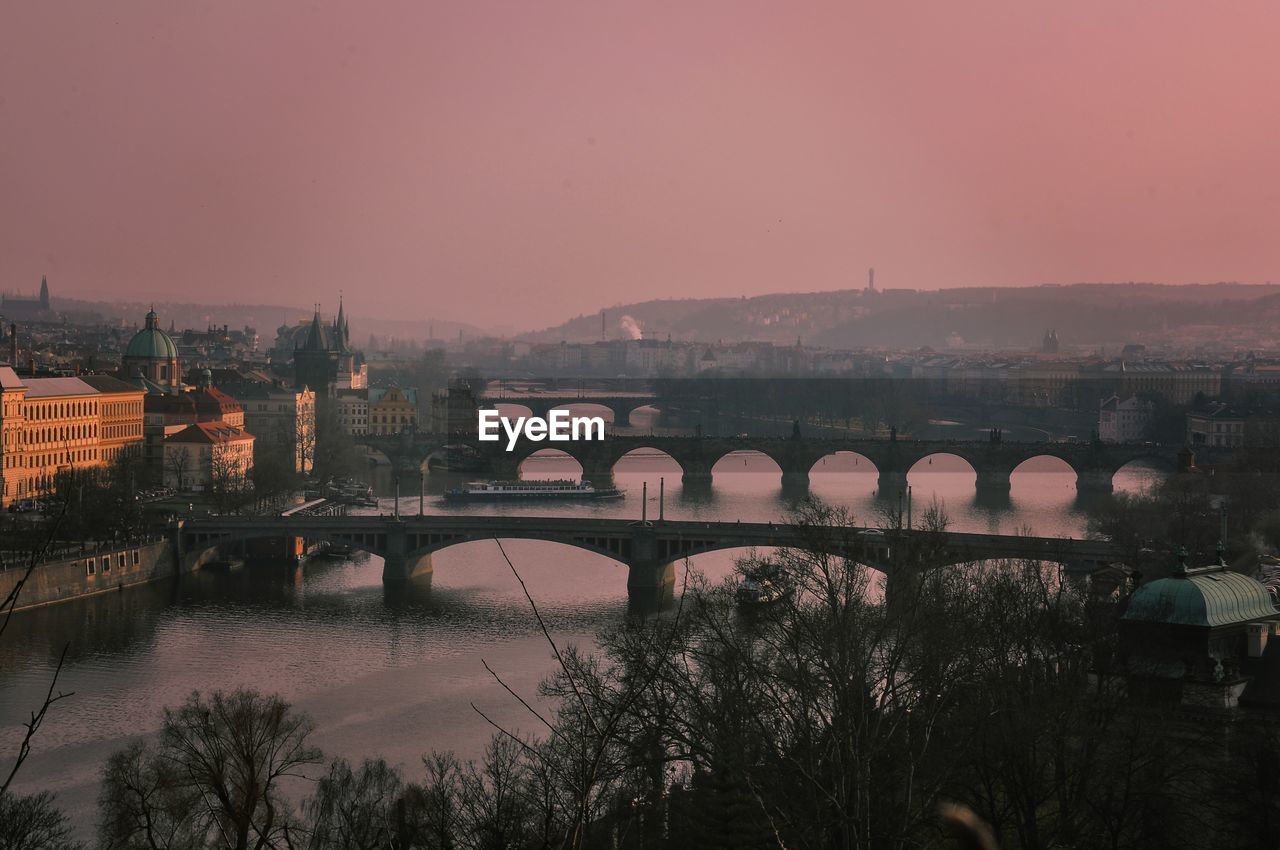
[(396, 673)]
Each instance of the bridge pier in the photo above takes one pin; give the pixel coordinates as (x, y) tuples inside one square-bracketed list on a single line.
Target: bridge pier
[(696, 481), (1093, 481), (650, 584), (622, 416), (599, 473), (401, 569), (993, 481), (891, 483), (795, 484)]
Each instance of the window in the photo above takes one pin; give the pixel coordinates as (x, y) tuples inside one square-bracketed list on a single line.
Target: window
[(106, 563), (90, 566), (137, 558)]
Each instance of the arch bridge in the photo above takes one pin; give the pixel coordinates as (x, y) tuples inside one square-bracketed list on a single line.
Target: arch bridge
[(649, 550), (1095, 464), (622, 405)]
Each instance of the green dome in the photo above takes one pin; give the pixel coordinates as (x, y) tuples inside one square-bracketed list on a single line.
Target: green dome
[(1209, 596), (151, 343)]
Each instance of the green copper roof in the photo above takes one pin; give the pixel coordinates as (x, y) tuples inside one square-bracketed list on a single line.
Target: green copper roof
[(1210, 596), (152, 343)]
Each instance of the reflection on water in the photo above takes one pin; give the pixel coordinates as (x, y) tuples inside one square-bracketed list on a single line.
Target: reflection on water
[(394, 672)]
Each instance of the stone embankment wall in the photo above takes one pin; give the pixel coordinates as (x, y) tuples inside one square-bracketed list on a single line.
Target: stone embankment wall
[(93, 571)]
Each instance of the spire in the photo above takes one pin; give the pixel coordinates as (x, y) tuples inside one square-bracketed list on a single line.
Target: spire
[(315, 336), (340, 327), (44, 292)]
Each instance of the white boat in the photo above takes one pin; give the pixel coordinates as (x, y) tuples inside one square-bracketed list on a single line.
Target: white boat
[(504, 491)]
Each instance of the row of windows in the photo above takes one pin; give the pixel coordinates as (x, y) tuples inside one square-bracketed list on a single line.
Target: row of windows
[(122, 408), (61, 410), (92, 565), (50, 435), (111, 431)]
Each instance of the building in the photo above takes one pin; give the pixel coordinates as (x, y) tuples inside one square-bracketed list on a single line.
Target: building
[(281, 419), (50, 427), (120, 428), (208, 456), (1123, 420), (455, 412), (13, 396), (322, 357), (1193, 637), (27, 309), (152, 356), (392, 410), (1179, 382), (1218, 423), (166, 414), (351, 407)]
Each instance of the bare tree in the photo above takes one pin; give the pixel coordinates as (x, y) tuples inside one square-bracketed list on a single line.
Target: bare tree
[(213, 779), (178, 463), (33, 822)]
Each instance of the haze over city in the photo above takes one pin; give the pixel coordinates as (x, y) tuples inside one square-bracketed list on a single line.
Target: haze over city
[(516, 165)]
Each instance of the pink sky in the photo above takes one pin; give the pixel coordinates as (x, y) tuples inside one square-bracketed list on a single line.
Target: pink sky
[(520, 163)]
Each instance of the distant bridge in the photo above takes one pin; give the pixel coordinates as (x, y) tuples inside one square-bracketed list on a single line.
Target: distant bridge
[(620, 404), (1095, 464), (649, 550)]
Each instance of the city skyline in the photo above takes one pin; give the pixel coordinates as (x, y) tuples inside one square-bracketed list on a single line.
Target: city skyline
[(531, 164)]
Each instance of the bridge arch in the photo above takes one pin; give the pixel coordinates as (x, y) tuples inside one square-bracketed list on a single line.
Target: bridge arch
[(754, 460), (1140, 473), (843, 460), (548, 462), (196, 544), (945, 461), (587, 408), (510, 408), (647, 455)]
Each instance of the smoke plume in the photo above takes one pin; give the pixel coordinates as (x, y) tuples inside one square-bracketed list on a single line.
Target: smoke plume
[(631, 327)]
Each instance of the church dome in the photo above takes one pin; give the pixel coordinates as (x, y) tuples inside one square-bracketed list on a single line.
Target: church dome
[(151, 343), (1206, 597)]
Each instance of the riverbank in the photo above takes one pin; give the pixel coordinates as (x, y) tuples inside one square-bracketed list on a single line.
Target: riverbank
[(91, 571)]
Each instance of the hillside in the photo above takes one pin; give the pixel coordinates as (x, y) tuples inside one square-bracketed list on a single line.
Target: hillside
[(1083, 315)]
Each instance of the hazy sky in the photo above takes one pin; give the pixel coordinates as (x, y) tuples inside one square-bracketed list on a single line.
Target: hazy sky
[(523, 162)]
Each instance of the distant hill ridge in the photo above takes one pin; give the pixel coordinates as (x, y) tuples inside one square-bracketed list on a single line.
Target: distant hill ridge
[(264, 318), (1083, 314)]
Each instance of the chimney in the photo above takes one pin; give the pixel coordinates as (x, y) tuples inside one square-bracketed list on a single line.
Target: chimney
[(1257, 633)]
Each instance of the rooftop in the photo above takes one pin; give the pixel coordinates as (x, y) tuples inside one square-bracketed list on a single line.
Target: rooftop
[(1205, 597), (54, 387)]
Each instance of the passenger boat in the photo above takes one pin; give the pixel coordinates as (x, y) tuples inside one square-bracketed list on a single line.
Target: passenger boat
[(543, 491)]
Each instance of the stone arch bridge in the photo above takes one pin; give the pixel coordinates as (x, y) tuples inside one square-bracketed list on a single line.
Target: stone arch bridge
[(649, 550), (622, 405), (1095, 464)]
